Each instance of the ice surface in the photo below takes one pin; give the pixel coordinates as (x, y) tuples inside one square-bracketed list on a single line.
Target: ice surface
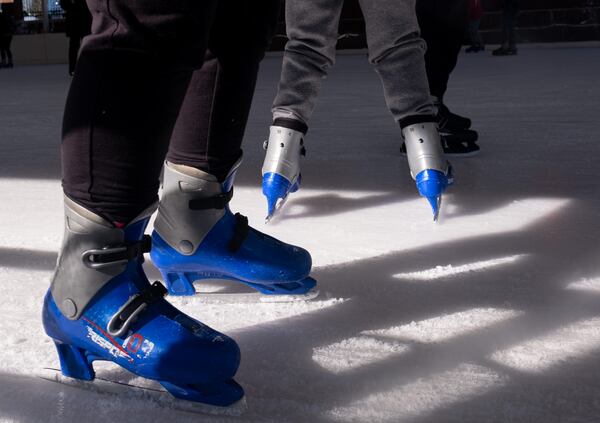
[(499, 321)]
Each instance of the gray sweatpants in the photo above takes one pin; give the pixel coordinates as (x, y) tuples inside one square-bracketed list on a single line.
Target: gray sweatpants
[(395, 50)]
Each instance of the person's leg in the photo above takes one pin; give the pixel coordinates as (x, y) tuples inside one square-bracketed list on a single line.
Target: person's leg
[(203, 157), (312, 30), (123, 104), (9, 51), (443, 24), (474, 37), (209, 130), (397, 53), (473, 43), (512, 9), (74, 44), (3, 50), (509, 16), (119, 115), (506, 23), (477, 34)]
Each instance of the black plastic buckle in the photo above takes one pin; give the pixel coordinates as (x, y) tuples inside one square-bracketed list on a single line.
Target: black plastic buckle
[(119, 324), (240, 233), (218, 202), (117, 255)]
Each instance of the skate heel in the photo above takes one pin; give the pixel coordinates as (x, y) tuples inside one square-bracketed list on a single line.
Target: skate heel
[(285, 288), (73, 362), (179, 283)]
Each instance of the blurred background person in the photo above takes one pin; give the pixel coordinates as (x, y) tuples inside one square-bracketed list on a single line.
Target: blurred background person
[(78, 22), (475, 15), (443, 26), (510, 9), (7, 29)]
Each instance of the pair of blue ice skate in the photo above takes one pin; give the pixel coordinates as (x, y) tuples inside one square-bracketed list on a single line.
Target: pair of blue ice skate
[(285, 146), (101, 306)]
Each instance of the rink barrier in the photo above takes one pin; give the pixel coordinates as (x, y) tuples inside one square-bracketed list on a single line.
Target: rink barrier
[(40, 49)]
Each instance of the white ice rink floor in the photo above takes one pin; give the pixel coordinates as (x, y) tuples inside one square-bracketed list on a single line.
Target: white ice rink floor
[(490, 315)]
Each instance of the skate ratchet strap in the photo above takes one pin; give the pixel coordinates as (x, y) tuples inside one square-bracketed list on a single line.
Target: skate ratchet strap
[(240, 232), (289, 123), (216, 202), (116, 255), (119, 324)]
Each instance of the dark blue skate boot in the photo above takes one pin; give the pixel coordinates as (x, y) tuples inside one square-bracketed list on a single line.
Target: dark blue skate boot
[(428, 166), (101, 306), (281, 168), (197, 237)]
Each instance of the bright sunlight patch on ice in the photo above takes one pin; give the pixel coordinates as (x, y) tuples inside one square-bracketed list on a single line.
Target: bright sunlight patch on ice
[(423, 396), (563, 345), (442, 328), (351, 228), (356, 352), (369, 225), (586, 284), (439, 272), (32, 217), (248, 315)]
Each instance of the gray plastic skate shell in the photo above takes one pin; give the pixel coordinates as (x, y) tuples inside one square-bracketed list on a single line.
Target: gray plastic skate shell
[(424, 148), (284, 149), (182, 228), (77, 280)]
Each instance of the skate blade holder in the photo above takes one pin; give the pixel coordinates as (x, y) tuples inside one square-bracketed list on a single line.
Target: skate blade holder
[(218, 294), (220, 290)]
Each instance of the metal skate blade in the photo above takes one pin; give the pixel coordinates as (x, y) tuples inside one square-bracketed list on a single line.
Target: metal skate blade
[(151, 390), (310, 295), (251, 297), (436, 205), (437, 208), (277, 208)]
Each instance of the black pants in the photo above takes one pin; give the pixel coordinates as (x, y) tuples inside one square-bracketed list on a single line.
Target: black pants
[(5, 53), (443, 26), (74, 45), (509, 21), (140, 92)]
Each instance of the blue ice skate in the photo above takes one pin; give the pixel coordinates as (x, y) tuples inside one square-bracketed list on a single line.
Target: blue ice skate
[(198, 237), (101, 307), (431, 184), (431, 171), (281, 168)]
